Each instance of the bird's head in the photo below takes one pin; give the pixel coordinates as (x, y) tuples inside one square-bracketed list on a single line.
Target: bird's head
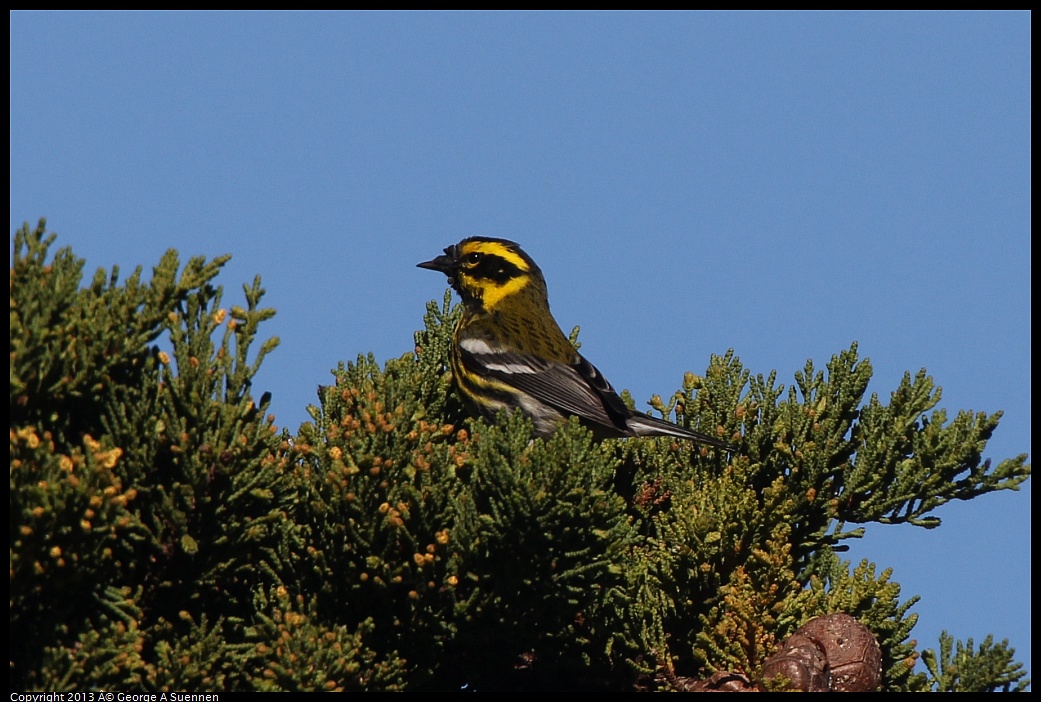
[(488, 272)]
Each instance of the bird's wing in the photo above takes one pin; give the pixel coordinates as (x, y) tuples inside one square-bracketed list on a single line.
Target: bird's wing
[(577, 388), (633, 422)]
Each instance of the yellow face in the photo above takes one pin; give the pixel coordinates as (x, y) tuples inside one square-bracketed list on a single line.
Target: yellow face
[(492, 271), (487, 270)]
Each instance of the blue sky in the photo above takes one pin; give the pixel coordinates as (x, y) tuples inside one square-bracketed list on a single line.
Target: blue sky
[(780, 184)]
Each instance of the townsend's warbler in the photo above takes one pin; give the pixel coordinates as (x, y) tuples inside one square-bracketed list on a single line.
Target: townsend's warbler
[(508, 351)]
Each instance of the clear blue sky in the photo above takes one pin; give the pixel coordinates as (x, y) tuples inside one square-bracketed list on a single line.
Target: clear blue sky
[(780, 184)]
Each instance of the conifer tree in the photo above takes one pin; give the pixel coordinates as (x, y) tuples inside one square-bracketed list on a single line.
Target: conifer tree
[(165, 536)]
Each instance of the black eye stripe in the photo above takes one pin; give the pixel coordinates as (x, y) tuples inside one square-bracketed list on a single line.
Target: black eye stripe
[(491, 267)]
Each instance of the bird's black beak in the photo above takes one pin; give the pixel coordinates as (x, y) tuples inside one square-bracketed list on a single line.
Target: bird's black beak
[(441, 263), (445, 263)]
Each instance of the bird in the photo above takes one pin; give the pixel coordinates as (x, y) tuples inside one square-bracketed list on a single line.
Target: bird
[(508, 351)]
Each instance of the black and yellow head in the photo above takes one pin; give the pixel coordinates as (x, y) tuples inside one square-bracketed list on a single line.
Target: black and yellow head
[(486, 271)]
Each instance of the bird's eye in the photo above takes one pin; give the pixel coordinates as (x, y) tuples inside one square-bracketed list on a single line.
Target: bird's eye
[(473, 259)]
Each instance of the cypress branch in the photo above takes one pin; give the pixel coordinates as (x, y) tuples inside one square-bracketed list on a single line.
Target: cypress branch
[(394, 543)]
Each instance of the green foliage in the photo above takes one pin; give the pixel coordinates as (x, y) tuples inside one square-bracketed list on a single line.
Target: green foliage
[(144, 483), (875, 601), (961, 668), (298, 650), (452, 542), (392, 543)]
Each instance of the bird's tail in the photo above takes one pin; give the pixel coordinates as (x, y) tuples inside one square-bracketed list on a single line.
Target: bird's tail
[(645, 425)]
